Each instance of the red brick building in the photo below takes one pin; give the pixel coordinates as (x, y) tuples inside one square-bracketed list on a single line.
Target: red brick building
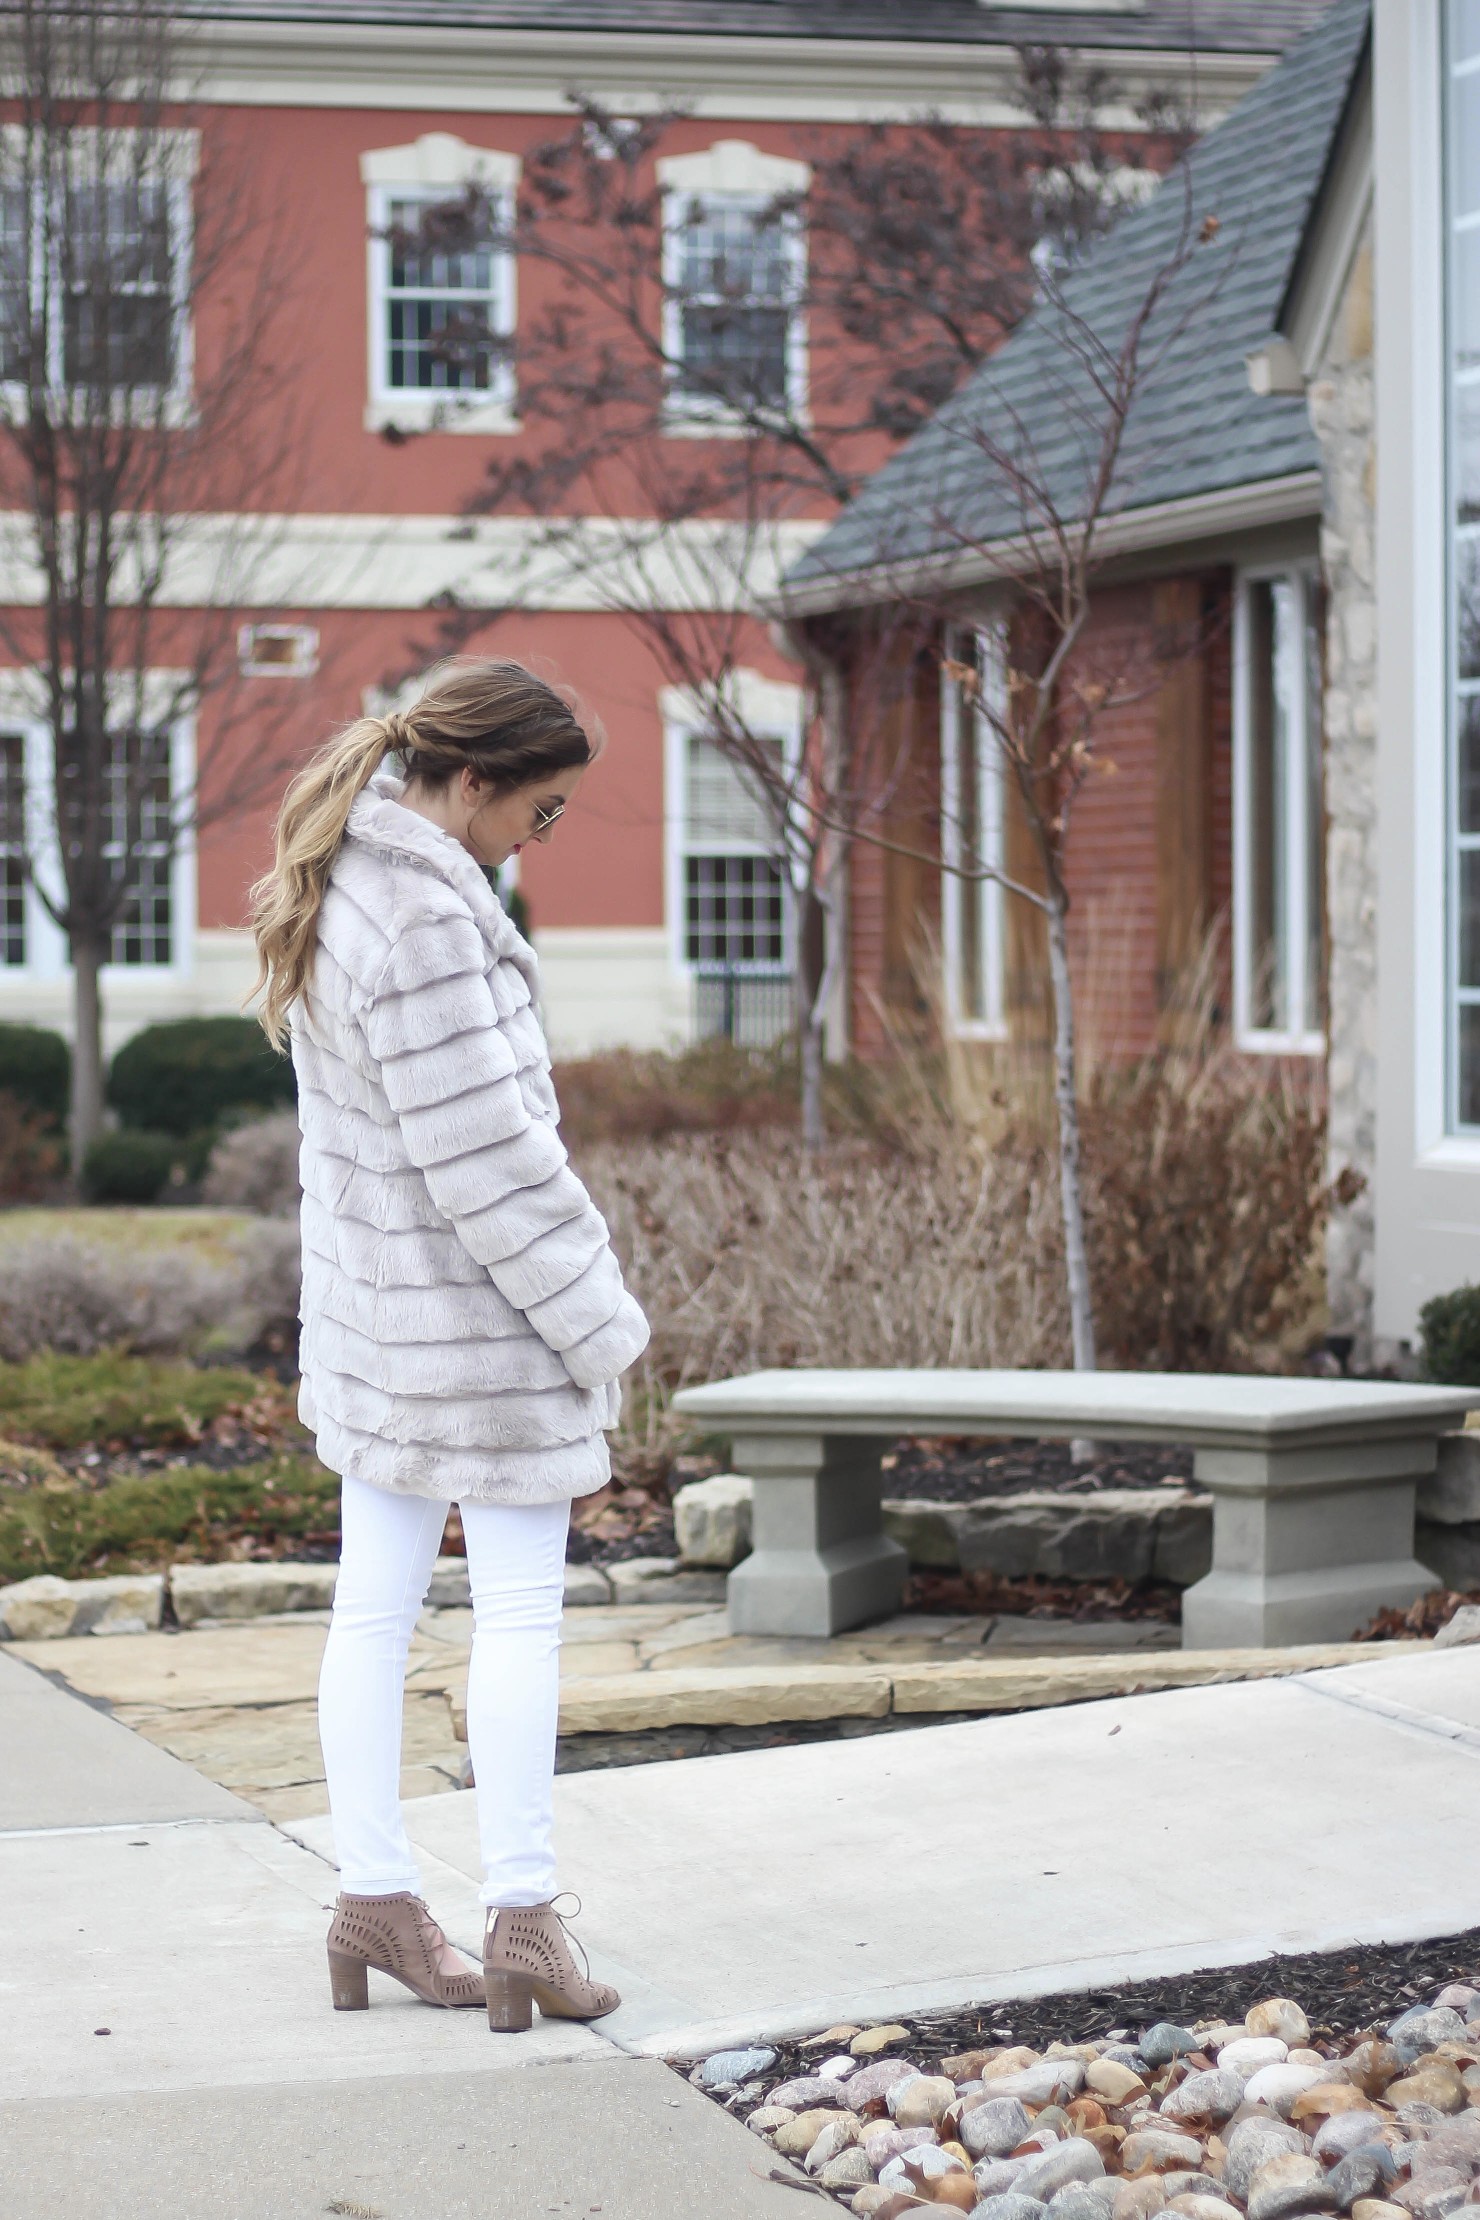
[(370, 111)]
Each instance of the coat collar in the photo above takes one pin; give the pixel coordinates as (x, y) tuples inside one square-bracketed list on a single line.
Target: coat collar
[(378, 821)]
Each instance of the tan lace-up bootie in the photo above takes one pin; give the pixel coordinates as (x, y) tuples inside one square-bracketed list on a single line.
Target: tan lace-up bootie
[(397, 1935), (528, 1961)]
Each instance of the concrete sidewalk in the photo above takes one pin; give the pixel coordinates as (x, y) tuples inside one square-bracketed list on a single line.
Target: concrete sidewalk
[(165, 2038), (167, 2045), (781, 1890)]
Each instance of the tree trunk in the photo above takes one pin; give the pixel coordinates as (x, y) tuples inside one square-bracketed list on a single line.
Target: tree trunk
[(1071, 1188), (812, 989), (87, 1051), (813, 1130)]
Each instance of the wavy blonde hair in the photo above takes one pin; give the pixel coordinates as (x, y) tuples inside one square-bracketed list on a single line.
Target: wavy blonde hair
[(477, 714)]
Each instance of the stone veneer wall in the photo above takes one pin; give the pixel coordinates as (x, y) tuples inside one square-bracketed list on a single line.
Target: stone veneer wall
[(1341, 408)]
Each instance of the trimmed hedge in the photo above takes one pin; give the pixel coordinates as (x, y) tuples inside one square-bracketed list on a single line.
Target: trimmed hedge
[(190, 1513), (36, 1067), (129, 1166), (1449, 1327), (185, 1077)]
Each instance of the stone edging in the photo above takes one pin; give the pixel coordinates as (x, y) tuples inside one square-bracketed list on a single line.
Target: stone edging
[(627, 1703), (46, 1608)]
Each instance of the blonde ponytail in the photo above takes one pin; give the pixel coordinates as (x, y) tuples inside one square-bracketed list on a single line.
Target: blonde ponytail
[(310, 826), (479, 713)]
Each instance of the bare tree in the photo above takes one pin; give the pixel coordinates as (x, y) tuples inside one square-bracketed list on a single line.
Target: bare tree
[(1049, 458), (142, 435), (907, 261)]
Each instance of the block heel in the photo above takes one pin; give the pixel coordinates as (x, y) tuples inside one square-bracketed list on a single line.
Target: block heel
[(349, 1979), (528, 1960), (397, 1935), (510, 2002)]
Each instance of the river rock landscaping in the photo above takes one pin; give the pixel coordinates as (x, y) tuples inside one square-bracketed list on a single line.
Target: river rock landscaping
[(1213, 2098)]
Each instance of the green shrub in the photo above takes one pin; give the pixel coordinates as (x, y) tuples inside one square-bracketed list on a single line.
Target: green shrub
[(65, 1402), (190, 1513), (185, 1077), (36, 1067), (128, 1166), (1449, 1329)]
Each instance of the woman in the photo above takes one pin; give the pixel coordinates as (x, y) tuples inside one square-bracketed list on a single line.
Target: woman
[(464, 1319)]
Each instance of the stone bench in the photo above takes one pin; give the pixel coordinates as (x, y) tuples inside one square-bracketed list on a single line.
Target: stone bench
[(1312, 1481)]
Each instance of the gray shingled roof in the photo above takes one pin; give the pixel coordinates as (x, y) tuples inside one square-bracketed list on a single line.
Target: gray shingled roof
[(1214, 26), (1196, 428)]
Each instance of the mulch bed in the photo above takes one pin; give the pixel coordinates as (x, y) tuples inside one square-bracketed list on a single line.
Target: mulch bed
[(1343, 1992), (947, 1471)]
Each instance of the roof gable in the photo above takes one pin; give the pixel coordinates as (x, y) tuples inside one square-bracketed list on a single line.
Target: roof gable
[(1196, 428)]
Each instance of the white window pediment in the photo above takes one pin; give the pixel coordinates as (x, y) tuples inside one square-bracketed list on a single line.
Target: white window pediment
[(439, 158), (733, 166)]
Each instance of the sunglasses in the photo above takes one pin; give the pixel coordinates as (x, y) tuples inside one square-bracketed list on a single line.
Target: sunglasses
[(545, 818)]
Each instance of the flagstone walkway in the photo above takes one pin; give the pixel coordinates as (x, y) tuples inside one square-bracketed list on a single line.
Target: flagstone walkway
[(237, 1701)]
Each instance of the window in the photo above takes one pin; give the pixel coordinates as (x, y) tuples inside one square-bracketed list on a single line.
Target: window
[(1279, 814), (735, 287), (441, 306), (278, 650), (734, 263), (12, 848), (1462, 279), (734, 901), (140, 848), (99, 269), (971, 832)]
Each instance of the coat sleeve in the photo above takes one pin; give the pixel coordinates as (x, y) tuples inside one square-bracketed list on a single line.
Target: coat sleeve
[(499, 1174)]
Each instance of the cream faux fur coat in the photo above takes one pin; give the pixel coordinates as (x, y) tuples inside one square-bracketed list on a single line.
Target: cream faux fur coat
[(464, 1319)]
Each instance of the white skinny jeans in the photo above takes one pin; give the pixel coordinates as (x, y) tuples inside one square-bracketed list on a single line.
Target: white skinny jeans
[(516, 1568)]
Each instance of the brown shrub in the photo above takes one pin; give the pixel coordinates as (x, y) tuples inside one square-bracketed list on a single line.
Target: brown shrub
[(1207, 1199), (255, 1167), (30, 1153), (712, 1088)]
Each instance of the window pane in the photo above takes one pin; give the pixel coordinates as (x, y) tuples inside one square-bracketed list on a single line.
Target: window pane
[(1314, 1015), (735, 287), (12, 849), (1465, 188), (117, 311), (734, 910), (1464, 30), (1467, 764), (1269, 620), (1464, 299), (441, 307), (724, 803), (444, 346), (1467, 607), (140, 847), (1466, 461), (1469, 1065)]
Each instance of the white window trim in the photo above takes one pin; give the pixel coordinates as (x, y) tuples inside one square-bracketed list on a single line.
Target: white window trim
[(731, 169), (46, 944), (305, 637), (767, 707), (958, 895), (1437, 795), (434, 167), (1299, 1039), (178, 167)]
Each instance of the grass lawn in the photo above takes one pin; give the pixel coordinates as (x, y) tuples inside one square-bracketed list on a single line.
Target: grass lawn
[(208, 1232)]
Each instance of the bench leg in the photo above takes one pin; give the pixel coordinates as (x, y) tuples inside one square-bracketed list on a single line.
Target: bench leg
[(820, 1561), (1308, 1544)]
